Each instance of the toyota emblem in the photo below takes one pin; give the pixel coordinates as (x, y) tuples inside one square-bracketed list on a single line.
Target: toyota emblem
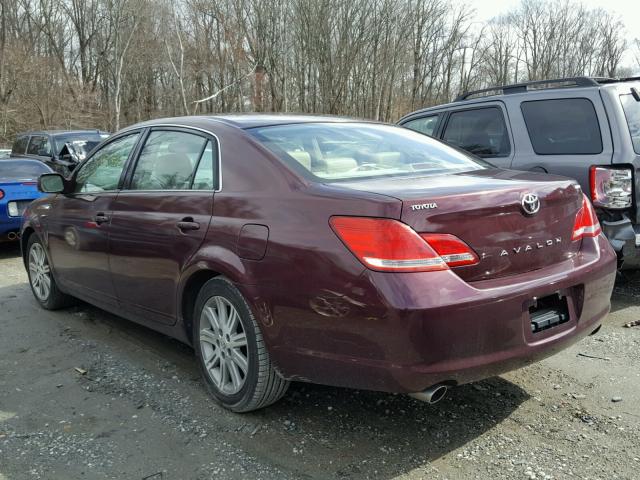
[(530, 204)]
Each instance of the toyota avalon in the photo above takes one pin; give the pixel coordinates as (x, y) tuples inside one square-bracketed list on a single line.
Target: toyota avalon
[(320, 249)]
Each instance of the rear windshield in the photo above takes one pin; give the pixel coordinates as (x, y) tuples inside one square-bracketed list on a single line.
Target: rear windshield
[(330, 152), (17, 170), (632, 111)]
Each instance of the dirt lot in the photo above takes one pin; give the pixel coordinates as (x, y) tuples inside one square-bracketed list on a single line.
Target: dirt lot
[(140, 411)]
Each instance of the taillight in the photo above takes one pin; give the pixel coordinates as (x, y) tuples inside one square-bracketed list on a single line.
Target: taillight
[(587, 224), (388, 245), (1, 194), (451, 249), (611, 187)]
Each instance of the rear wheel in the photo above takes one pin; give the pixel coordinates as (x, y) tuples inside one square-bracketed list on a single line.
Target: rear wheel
[(43, 285), (232, 354)]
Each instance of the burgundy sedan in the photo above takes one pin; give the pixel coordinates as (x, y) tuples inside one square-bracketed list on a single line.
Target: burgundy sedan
[(319, 249)]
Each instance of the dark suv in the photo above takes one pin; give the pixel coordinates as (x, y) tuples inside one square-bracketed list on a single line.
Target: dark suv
[(584, 128), (61, 150)]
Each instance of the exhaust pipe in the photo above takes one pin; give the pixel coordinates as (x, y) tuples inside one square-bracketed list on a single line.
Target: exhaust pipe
[(432, 394), (12, 236)]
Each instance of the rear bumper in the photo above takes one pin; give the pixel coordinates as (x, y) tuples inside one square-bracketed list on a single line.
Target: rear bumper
[(9, 225), (407, 332), (625, 240)]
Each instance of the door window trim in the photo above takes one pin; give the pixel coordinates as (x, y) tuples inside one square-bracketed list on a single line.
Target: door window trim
[(170, 127), (496, 105), (119, 136)]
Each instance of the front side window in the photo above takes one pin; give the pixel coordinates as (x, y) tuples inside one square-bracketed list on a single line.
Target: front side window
[(481, 131), (169, 161), (330, 152), (20, 145), (632, 112), (39, 145), (567, 126), (426, 125), (102, 171)]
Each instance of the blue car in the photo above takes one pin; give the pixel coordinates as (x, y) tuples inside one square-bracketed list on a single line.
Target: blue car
[(18, 188)]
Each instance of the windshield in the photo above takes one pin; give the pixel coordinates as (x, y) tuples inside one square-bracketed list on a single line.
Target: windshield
[(79, 144), (632, 111), (21, 170), (330, 152)]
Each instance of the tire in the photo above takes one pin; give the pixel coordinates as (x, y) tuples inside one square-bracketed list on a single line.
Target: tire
[(225, 342), (43, 284)]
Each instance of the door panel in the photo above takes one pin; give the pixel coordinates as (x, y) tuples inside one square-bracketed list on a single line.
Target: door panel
[(161, 220), (78, 245), (80, 222), (149, 250)]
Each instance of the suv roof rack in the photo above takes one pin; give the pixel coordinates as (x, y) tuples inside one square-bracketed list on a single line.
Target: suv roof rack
[(540, 85)]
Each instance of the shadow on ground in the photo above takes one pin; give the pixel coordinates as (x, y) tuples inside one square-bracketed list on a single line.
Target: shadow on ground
[(318, 431), (9, 250)]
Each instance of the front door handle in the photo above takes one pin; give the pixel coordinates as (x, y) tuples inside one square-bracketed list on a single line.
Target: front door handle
[(188, 224), (101, 218)]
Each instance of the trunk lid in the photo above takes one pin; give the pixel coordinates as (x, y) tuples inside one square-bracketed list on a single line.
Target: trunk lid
[(485, 209)]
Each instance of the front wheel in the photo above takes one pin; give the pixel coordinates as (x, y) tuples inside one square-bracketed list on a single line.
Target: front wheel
[(232, 354), (43, 285)]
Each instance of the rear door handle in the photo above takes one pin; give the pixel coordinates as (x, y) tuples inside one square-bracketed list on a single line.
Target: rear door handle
[(188, 224), (101, 218)]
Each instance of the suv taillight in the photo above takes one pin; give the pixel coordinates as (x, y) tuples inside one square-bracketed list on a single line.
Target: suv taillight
[(611, 187), (587, 224), (388, 245)]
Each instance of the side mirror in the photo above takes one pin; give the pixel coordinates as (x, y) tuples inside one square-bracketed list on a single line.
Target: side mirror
[(51, 183)]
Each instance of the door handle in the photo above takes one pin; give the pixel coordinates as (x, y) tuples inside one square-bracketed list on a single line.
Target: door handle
[(188, 224), (101, 218)]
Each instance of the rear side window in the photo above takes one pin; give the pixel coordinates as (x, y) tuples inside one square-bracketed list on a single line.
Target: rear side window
[(426, 125), (175, 161), (563, 127), (39, 145), (20, 145), (481, 131), (632, 112)]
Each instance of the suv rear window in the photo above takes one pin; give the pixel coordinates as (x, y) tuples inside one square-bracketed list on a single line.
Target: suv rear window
[(330, 152), (481, 131), (567, 126), (631, 109)]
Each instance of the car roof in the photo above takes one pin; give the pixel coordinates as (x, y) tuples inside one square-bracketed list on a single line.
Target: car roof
[(558, 87), (248, 120), (60, 132)]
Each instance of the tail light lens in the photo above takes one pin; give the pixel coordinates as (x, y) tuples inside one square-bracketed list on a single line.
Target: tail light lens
[(611, 187), (451, 249), (587, 224), (388, 245), (1, 194)]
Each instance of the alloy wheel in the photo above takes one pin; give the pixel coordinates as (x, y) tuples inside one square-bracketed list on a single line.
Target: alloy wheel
[(224, 345), (39, 272)]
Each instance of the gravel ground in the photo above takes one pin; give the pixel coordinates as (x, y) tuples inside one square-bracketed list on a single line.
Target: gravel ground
[(136, 409)]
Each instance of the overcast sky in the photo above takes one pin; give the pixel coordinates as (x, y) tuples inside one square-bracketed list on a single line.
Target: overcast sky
[(628, 10)]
